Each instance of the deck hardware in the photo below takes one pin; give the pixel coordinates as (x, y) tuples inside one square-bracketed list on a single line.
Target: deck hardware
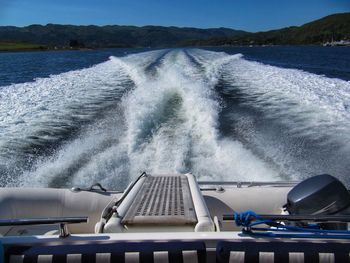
[(61, 221), (75, 189), (93, 188), (64, 232), (220, 189)]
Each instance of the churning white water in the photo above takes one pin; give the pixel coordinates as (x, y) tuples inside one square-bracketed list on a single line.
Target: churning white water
[(215, 115)]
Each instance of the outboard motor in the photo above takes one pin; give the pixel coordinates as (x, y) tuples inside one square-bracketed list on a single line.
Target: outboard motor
[(320, 195)]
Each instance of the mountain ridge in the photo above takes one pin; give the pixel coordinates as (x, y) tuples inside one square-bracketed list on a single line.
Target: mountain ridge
[(109, 36), (56, 36), (330, 28)]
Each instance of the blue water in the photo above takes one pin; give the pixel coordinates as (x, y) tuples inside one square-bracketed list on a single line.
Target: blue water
[(234, 113), (23, 67), (332, 62)]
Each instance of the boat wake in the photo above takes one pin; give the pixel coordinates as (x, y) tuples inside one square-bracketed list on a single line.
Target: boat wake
[(218, 116)]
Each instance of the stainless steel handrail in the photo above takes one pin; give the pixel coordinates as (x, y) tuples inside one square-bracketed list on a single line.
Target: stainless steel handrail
[(249, 184), (62, 221)]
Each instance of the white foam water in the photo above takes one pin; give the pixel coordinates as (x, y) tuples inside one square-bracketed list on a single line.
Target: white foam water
[(313, 110), (167, 121)]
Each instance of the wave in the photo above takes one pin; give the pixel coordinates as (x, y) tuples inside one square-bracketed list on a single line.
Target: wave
[(218, 116), (296, 120)]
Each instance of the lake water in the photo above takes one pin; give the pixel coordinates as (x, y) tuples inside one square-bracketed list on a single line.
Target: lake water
[(261, 113)]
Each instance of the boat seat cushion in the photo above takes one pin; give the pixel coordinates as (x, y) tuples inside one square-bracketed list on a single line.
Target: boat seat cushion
[(1, 252), (174, 251), (282, 251)]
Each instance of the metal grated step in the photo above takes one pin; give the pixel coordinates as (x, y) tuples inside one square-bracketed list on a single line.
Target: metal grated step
[(162, 200)]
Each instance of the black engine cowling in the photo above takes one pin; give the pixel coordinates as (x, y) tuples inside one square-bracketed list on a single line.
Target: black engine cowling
[(319, 195)]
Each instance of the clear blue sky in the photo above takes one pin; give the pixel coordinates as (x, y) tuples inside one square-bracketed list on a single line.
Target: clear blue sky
[(250, 15)]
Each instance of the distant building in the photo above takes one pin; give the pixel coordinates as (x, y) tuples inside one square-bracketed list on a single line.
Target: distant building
[(337, 43)]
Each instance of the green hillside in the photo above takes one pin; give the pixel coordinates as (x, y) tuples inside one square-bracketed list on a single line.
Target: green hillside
[(7, 46), (334, 27), (60, 36)]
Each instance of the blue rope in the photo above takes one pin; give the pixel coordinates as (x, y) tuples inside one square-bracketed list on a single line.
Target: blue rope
[(243, 218), (249, 219)]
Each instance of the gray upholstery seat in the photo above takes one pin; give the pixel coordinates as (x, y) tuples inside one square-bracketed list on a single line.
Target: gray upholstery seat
[(173, 251), (1, 252), (280, 251)]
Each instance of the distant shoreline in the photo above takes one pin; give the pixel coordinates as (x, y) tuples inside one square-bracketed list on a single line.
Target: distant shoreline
[(329, 30), (26, 50), (44, 50)]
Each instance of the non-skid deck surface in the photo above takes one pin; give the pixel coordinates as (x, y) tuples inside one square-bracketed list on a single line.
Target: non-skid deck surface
[(162, 200)]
